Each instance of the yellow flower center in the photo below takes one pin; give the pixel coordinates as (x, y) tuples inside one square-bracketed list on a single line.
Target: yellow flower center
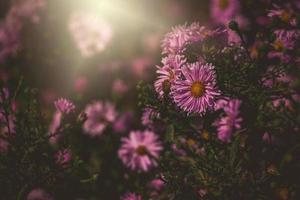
[(141, 150), (223, 4), (166, 85), (278, 45), (285, 16), (197, 89)]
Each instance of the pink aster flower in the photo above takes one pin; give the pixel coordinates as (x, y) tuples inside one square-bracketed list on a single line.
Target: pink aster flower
[(285, 40), (91, 33), (131, 196), (222, 11), (167, 73), (231, 121), (140, 150), (64, 106), (39, 194), (175, 42), (284, 14), (99, 115), (196, 91)]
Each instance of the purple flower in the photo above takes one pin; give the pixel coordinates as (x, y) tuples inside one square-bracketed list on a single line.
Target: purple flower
[(231, 121), (64, 106), (222, 11), (168, 73), (99, 115), (140, 150), (131, 196), (196, 91)]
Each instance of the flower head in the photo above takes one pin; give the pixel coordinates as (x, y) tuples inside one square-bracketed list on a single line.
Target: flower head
[(131, 196), (140, 150), (222, 11), (196, 91), (175, 42), (64, 106), (167, 73), (99, 115)]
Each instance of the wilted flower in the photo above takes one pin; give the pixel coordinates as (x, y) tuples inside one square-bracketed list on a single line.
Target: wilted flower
[(140, 150), (196, 92), (99, 115), (90, 32)]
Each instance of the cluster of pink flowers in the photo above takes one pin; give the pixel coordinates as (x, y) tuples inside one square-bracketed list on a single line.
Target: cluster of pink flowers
[(12, 25), (192, 86), (91, 33)]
